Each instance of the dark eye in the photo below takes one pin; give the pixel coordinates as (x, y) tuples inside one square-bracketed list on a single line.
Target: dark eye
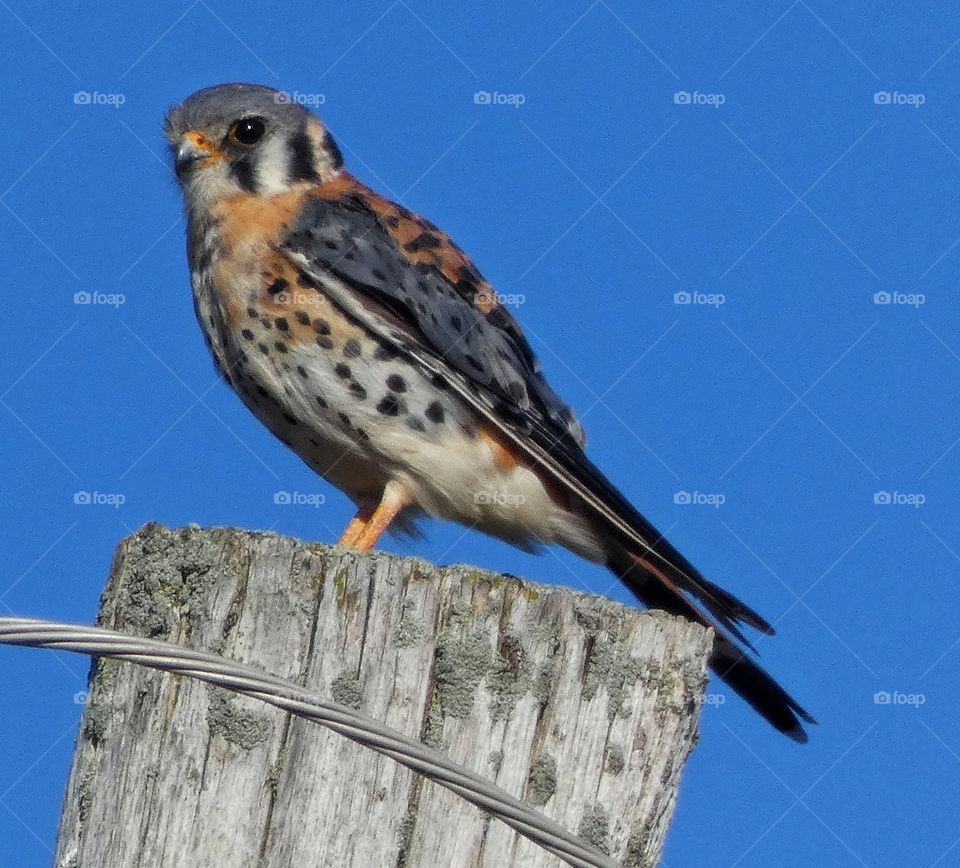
[(248, 131)]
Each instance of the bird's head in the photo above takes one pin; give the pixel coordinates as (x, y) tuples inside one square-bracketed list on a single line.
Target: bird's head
[(246, 138)]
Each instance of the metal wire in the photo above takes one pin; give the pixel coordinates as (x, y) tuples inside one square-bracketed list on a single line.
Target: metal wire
[(290, 697)]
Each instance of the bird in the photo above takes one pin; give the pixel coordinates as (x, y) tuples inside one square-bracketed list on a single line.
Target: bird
[(370, 344)]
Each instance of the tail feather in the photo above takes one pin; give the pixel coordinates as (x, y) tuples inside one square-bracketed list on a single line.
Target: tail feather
[(652, 585)]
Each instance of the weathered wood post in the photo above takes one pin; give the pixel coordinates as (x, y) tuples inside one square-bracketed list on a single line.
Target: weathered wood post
[(581, 706)]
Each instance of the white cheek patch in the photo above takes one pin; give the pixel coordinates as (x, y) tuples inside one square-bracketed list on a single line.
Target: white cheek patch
[(272, 165)]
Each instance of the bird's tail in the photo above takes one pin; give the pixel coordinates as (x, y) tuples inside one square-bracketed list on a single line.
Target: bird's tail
[(659, 582)]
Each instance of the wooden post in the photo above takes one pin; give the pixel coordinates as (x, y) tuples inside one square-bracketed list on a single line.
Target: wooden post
[(584, 707)]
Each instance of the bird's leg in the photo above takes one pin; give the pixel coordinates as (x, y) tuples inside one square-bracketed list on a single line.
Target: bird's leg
[(357, 525), (394, 499)]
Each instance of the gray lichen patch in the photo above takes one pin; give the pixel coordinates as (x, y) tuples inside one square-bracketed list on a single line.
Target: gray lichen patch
[(595, 827), (638, 848), (158, 575), (542, 781), (405, 837), (615, 760), (611, 666), (461, 664), (99, 711), (238, 726), (410, 630), (433, 728), (542, 685), (347, 689), (509, 677), (276, 769), (85, 791)]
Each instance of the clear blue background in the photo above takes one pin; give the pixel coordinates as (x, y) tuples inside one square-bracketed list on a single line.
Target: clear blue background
[(798, 398)]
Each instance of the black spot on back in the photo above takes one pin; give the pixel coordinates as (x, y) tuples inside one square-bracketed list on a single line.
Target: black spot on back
[(396, 383), (391, 405), (469, 274), (384, 352), (278, 286), (351, 349), (424, 241), (434, 413)]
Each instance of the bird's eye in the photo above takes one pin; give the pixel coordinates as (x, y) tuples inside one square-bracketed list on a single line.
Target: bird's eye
[(247, 132)]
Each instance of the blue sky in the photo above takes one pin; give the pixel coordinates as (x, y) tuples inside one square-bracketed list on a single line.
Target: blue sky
[(732, 234)]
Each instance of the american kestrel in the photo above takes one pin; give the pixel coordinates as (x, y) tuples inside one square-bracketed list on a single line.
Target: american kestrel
[(371, 345)]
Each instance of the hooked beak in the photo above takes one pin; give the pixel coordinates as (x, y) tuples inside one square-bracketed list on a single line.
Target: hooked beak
[(193, 148)]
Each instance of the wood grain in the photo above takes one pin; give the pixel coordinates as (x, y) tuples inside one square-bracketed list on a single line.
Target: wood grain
[(584, 707)]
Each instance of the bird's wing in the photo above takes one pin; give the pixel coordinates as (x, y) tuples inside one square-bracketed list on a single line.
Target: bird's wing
[(409, 266), (406, 281)]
